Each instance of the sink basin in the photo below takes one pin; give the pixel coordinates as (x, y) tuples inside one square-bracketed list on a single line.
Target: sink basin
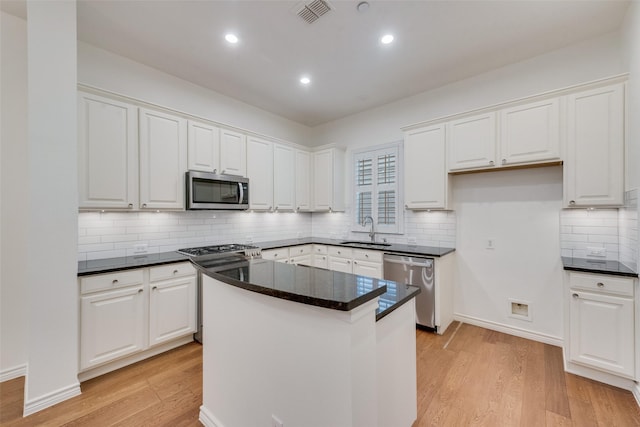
[(357, 242)]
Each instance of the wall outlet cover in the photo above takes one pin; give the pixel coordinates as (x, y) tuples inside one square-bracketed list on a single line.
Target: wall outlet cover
[(596, 251)]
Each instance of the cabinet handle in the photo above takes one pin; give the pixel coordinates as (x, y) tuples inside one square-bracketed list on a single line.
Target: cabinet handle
[(215, 171), (114, 281), (286, 261), (600, 285), (339, 252), (504, 161), (276, 208), (366, 255), (348, 262), (139, 291), (144, 205), (572, 202), (175, 271), (223, 171), (491, 162), (275, 255), (406, 206), (354, 262), (130, 205), (154, 288), (298, 208), (324, 257), (576, 296), (329, 208), (301, 250)]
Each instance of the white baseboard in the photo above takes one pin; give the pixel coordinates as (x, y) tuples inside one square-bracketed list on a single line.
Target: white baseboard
[(207, 418), (11, 373), (137, 357), (600, 376), (508, 329), (51, 399), (636, 392)]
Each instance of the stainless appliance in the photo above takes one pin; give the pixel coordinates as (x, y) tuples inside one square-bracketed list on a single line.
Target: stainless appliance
[(216, 254), (212, 191), (416, 271)]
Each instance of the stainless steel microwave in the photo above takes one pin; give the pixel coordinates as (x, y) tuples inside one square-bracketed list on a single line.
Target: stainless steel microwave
[(207, 190)]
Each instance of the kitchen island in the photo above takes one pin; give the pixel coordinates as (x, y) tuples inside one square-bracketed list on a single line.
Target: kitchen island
[(302, 346)]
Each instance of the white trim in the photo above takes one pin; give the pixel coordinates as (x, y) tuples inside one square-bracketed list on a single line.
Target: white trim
[(121, 363), (620, 78), (600, 376), (636, 392), (50, 399), (11, 373), (511, 330), (208, 419)]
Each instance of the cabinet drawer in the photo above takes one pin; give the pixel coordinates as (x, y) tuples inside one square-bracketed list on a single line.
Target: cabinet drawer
[(339, 251), (299, 250), (362, 255), (170, 271), (320, 249), (276, 254), (602, 283), (101, 282)]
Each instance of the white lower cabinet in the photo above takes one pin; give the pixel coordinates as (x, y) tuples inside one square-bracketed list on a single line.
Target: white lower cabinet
[(172, 308), (280, 254), (340, 259), (601, 323), (367, 263), (129, 311)]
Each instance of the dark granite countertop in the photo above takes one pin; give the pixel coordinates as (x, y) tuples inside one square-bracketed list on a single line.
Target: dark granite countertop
[(308, 285), (108, 265), (393, 247), (598, 266)]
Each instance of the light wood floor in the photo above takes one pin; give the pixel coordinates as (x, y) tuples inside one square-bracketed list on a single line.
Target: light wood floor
[(469, 376)]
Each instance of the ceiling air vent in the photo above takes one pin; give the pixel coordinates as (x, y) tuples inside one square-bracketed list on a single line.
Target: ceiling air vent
[(310, 12)]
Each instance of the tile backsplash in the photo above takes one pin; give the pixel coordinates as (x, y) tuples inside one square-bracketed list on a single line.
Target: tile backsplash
[(628, 224), (114, 234)]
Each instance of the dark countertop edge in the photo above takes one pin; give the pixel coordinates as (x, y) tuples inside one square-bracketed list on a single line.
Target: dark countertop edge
[(593, 267), (110, 265), (289, 296), (398, 304), (430, 251)]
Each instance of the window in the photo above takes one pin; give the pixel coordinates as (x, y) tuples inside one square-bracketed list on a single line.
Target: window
[(376, 189)]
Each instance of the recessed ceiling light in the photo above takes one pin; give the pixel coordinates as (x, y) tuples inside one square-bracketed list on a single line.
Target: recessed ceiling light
[(231, 38), (305, 80), (386, 39)]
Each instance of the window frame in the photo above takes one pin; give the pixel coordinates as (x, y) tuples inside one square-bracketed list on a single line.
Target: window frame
[(373, 152)]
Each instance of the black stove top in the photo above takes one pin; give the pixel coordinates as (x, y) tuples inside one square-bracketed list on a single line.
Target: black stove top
[(215, 249)]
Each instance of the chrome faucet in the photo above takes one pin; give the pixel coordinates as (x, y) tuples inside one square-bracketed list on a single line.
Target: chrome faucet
[(372, 233)]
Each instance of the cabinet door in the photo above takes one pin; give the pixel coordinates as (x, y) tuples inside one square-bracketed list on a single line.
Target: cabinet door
[(472, 142), (426, 181), (303, 180), (260, 173), (322, 180), (204, 147), (172, 309), (233, 153), (284, 177), (163, 160), (369, 269), (112, 325), (320, 260), (602, 332), (594, 164), (281, 255), (530, 133), (302, 260), (107, 153), (340, 264)]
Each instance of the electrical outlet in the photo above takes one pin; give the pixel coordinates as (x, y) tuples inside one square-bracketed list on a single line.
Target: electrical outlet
[(411, 240), (140, 248), (491, 243), (596, 251), (275, 421)]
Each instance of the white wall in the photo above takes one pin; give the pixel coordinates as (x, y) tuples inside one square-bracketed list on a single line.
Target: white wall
[(108, 71), (52, 206), (13, 224), (526, 263)]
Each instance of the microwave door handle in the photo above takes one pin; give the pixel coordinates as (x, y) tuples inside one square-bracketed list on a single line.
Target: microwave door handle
[(241, 193)]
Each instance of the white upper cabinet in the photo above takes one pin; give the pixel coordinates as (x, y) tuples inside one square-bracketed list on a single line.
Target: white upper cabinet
[(163, 160), (107, 153), (303, 180), (328, 180), (260, 173), (204, 147), (472, 142), (284, 177), (530, 132), (233, 153), (594, 164), (426, 181)]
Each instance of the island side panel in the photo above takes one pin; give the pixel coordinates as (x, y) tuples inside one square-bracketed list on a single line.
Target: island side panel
[(305, 365), (397, 376)]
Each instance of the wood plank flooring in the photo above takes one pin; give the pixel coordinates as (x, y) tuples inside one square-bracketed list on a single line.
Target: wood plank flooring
[(468, 377)]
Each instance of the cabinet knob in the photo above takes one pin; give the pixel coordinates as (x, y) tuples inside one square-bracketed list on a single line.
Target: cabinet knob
[(298, 208), (114, 281), (504, 161), (130, 205), (366, 255), (572, 202), (144, 205), (223, 171), (339, 252), (301, 250), (491, 162), (276, 208), (329, 208), (354, 262), (576, 296), (406, 206), (275, 255), (600, 285), (154, 288), (215, 171), (286, 261), (175, 271), (348, 262), (139, 291), (324, 257)]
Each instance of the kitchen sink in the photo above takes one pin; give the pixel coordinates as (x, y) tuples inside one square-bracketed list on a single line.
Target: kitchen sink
[(358, 242)]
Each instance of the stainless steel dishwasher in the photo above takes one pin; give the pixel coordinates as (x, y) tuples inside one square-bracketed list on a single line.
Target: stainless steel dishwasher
[(417, 271)]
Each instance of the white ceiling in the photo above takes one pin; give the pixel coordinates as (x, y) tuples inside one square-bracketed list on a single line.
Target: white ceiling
[(436, 42)]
